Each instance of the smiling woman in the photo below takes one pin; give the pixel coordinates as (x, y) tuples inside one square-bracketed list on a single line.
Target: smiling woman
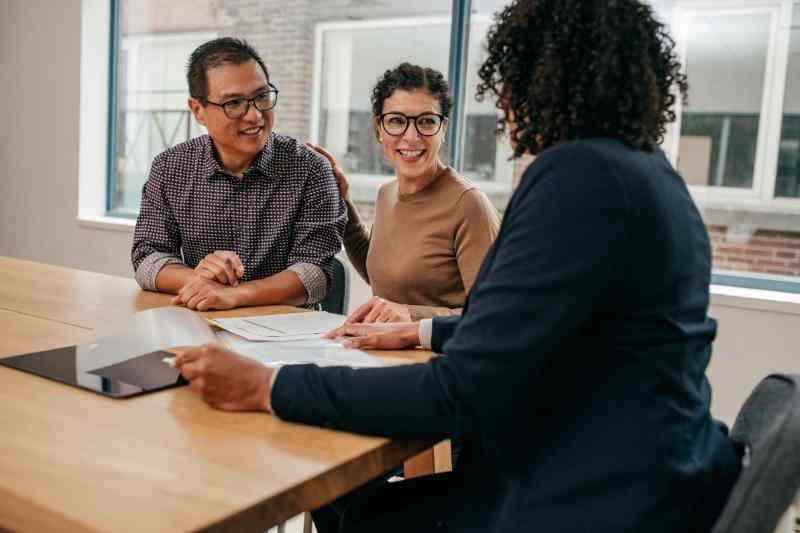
[(440, 223)]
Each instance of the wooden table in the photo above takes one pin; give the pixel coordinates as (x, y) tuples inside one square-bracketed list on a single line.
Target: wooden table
[(73, 460)]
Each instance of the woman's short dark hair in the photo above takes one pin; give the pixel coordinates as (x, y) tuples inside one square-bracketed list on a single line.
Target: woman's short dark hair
[(408, 77), (214, 53), (571, 69)]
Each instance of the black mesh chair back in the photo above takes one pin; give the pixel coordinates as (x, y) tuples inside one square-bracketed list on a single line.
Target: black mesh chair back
[(769, 426), (339, 294)]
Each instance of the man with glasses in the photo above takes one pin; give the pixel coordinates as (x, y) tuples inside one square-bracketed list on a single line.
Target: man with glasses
[(241, 216)]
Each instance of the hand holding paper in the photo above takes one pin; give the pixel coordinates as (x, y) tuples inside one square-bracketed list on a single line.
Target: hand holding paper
[(224, 379)]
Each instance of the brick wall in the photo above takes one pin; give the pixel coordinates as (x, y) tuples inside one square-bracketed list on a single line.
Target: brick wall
[(283, 34), (767, 252), (170, 16)]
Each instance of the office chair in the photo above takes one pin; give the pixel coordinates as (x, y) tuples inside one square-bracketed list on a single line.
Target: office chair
[(769, 426), (338, 296)]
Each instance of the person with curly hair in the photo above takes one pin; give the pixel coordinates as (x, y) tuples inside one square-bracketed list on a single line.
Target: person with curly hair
[(440, 221), (575, 376)]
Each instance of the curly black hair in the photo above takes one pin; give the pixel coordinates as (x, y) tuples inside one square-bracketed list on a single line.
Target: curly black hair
[(409, 77), (569, 69), (214, 53)]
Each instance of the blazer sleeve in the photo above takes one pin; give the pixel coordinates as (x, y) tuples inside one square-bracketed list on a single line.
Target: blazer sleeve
[(559, 258), (443, 328)]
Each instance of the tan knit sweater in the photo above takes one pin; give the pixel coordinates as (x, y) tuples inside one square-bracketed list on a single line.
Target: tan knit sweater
[(425, 248)]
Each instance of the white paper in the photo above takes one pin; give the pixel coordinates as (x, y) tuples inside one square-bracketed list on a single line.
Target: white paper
[(323, 352), (293, 326), (144, 332)]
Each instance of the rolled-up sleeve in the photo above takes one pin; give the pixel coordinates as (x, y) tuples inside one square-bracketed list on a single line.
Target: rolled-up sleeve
[(156, 238), (318, 231), (313, 279)]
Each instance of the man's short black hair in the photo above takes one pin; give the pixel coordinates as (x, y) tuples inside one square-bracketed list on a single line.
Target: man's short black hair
[(214, 53)]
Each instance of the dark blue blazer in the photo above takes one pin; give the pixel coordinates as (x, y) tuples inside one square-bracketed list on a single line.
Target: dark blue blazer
[(575, 378)]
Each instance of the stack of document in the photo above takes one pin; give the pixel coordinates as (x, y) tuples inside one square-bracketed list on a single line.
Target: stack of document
[(288, 327), (296, 338)]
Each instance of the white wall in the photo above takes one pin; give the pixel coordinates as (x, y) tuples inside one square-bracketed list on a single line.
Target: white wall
[(39, 74), (40, 80), (751, 343)]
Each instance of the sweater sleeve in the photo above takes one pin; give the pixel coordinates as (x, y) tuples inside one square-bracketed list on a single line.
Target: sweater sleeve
[(475, 233), (356, 241), (476, 230)]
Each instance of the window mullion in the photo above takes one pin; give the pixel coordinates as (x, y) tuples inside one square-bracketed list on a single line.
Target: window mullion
[(459, 44), (113, 76), (773, 116)]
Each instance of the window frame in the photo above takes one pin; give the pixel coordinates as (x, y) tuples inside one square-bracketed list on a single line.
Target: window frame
[(364, 186), (132, 45), (765, 171), (758, 202), (96, 185)]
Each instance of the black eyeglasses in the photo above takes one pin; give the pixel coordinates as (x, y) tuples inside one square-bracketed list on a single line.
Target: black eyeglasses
[(238, 107), (396, 124)]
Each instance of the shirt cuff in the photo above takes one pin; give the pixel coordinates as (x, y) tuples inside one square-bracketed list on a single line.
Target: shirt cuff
[(150, 266), (272, 386), (425, 333), (313, 279)]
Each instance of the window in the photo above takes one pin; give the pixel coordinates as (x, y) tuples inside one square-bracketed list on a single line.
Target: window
[(325, 77), (788, 177), (152, 114), (351, 56), (725, 61), (487, 157), (737, 141)]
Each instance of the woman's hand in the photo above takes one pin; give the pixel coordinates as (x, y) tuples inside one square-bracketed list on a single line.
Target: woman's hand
[(379, 310), (341, 180), (378, 336)]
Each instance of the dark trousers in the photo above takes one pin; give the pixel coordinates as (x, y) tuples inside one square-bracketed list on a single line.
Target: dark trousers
[(403, 506)]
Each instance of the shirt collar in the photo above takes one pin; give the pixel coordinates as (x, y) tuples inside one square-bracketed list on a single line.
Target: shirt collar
[(211, 167)]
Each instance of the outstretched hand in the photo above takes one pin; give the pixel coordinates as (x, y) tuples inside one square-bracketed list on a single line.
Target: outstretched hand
[(378, 309), (397, 336)]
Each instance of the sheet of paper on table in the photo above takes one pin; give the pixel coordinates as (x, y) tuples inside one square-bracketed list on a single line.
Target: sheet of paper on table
[(286, 327), (320, 351)]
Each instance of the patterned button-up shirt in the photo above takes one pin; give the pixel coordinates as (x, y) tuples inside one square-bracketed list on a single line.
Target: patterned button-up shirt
[(284, 214)]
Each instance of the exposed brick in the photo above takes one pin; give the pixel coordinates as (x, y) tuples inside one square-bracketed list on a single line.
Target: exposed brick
[(770, 263), (743, 259), (758, 252), (778, 272), (729, 249)]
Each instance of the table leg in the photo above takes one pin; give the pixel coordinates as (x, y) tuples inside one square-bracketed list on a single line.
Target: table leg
[(436, 460)]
